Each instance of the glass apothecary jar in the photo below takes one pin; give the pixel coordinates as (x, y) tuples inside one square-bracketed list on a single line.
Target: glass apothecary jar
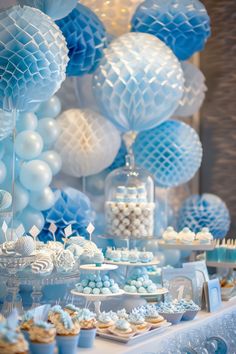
[(129, 205)]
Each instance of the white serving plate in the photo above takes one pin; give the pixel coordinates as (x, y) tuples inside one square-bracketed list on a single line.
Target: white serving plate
[(99, 297), (136, 337), (188, 247), (136, 264), (159, 292), (104, 266)]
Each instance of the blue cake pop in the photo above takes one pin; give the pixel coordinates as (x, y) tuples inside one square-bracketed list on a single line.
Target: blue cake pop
[(206, 210), (86, 38), (183, 25), (56, 9), (33, 58)]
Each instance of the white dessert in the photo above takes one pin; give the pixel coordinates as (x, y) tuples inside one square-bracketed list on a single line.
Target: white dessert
[(204, 236), (170, 235), (186, 236)]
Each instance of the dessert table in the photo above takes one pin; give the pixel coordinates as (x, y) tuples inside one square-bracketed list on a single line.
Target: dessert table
[(187, 337)]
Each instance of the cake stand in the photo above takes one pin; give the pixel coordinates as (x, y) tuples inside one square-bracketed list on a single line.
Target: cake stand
[(136, 264), (9, 267), (193, 247), (150, 297), (96, 299)]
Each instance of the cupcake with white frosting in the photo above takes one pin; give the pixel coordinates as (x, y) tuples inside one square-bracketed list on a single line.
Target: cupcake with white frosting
[(204, 236), (122, 328), (186, 236), (138, 322), (170, 235), (152, 316), (104, 321)]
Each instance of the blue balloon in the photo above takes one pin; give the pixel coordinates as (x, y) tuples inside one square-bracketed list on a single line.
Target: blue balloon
[(138, 83), (183, 25), (3, 172), (49, 130), (71, 208), (26, 121), (206, 210), (42, 200), (86, 38), (33, 58), (20, 198), (28, 145), (54, 8), (50, 108), (171, 152), (53, 159), (30, 217), (172, 257), (35, 175)]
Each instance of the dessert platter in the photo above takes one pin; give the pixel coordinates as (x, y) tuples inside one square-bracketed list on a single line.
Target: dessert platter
[(130, 257), (187, 240)]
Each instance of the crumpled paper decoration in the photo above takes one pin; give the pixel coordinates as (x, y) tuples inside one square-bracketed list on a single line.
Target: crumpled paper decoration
[(86, 38), (115, 14), (183, 25), (206, 210), (138, 83), (33, 58), (194, 91), (171, 152), (56, 9), (72, 207), (88, 143), (7, 124)]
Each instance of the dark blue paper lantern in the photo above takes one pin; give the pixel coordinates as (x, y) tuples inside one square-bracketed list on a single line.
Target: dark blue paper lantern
[(56, 9), (33, 58), (183, 25), (171, 152), (86, 38), (206, 210), (71, 208)]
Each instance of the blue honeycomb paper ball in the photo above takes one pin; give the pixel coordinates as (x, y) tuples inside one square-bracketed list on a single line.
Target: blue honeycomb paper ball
[(183, 25), (33, 58), (86, 38), (206, 210), (138, 83), (72, 207), (56, 9), (171, 152)]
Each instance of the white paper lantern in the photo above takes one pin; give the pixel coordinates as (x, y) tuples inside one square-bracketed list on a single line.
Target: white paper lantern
[(88, 142), (115, 14), (194, 91)]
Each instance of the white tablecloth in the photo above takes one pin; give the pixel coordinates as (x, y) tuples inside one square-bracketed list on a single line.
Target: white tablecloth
[(191, 334)]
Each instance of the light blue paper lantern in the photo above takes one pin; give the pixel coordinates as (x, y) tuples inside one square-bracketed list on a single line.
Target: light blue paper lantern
[(172, 152), (138, 83), (183, 25), (33, 58), (71, 208), (86, 38), (7, 124), (206, 210), (56, 9)]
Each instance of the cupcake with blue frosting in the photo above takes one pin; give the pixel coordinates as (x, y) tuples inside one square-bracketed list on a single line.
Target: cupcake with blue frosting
[(27, 321), (123, 328), (153, 317), (87, 322), (137, 320), (67, 331), (42, 338), (104, 321), (12, 341)]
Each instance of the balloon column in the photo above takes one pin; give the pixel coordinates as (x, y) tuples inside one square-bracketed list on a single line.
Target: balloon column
[(206, 210), (37, 163)]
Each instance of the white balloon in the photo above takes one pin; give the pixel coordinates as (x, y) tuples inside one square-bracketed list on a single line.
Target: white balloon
[(88, 143), (194, 91)]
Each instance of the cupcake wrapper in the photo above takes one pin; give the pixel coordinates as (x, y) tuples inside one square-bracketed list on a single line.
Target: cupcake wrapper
[(67, 344), (86, 338), (42, 348)]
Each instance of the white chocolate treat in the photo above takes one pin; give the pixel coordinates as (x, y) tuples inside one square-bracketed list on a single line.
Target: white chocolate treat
[(43, 265), (204, 236), (186, 236), (25, 246), (170, 235), (64, 261)]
